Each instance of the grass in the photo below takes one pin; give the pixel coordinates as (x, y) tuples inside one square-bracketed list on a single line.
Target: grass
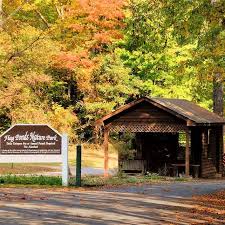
[(23, 168), (98, 181), (93, 156), (30, 180), (87, 181)]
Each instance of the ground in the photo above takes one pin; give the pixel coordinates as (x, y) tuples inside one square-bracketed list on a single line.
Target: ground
[(166, 203)]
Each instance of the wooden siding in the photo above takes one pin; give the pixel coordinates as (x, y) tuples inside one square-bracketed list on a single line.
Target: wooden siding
[(212, 152), (208, 167), (145, 113), (220, 150)]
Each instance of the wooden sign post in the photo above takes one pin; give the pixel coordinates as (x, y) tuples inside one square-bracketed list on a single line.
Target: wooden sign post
[(35, 143)]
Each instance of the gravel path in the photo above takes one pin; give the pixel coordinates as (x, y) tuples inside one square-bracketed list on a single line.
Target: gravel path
[(145, 204)]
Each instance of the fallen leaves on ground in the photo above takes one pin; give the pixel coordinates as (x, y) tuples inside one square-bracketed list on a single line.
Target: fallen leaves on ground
[(211, 206), (20, 196)]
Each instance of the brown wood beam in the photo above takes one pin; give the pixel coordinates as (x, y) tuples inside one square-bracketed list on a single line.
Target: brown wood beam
[(106, 152), (220, 150), (187, 154)]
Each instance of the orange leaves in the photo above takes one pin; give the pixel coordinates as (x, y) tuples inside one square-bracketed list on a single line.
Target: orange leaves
[(77, 27), (107, 36), (96, 20), (96, 24), (88, 29), (71, 61), (102, 38), (99, 10)]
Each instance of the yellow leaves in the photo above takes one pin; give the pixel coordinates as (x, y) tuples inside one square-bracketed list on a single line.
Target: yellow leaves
[(33, 79), (29, 7), (63, 120), (26, 103), (22, 97), (5, 45), (28, 113)]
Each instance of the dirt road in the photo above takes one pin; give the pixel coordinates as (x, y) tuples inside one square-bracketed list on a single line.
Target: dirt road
[(146, 204)]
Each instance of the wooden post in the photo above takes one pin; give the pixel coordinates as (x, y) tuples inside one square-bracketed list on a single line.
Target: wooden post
[(106, 152), (187, 155)]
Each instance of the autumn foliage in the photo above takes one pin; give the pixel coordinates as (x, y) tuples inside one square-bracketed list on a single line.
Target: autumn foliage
[(71, 62)]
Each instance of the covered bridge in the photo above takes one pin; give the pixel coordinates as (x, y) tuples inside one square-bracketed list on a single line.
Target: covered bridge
[(158, 122)]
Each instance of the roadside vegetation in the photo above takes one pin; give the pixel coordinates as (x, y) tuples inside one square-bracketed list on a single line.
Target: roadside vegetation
[(30, 180), (87, 181), (98, 181)]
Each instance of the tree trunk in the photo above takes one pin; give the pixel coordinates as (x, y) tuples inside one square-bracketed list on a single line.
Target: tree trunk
[(218, 94), (1, 14)]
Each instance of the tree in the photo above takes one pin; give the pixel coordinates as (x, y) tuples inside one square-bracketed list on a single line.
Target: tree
[(25, 81), (87, 33), (153, 55), (201, 23), (89, 28)]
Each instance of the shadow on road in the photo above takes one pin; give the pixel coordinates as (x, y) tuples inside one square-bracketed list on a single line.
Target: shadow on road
[(147, 204)]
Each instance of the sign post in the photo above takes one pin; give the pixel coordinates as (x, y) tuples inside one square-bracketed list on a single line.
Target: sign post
[(35, 143), (78, 166), (65, 166)]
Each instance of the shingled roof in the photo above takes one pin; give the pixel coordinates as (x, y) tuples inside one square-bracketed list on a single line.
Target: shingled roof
[(190, 110), (181, 108)]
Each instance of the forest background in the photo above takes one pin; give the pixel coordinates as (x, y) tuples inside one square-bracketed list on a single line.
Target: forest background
[(67, 63)]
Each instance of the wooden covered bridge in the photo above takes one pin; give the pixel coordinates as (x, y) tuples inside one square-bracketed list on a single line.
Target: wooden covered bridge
[(158, 122)]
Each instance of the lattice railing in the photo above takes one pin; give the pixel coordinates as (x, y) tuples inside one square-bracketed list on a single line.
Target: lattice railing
[(147, 127)]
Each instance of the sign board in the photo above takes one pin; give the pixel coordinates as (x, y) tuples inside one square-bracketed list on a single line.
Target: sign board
[(22, 141), (30, 139), (35, 143)]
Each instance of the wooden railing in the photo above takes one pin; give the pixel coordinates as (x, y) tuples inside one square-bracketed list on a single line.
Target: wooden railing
[(134, 165)]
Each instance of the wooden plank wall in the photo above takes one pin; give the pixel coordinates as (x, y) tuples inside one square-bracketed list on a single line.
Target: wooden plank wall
[(220, 151), (208, 168), (211, 157), (145, 113)]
